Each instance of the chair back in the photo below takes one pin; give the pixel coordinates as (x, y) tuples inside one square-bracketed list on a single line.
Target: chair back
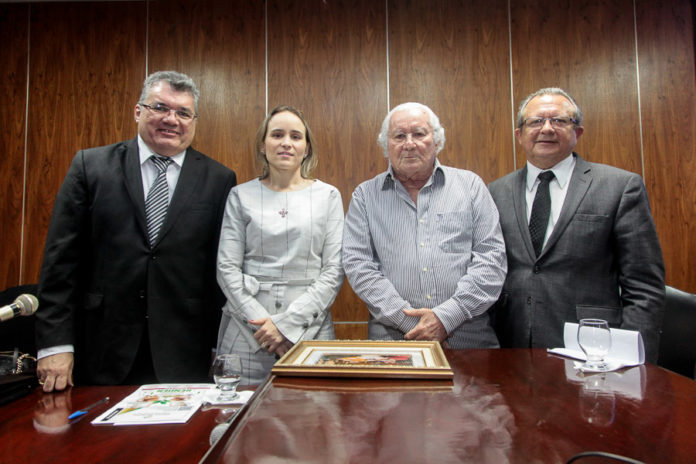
[(678, 338)]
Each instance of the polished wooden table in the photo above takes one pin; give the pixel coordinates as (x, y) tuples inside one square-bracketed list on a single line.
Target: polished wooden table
[(35, 429), (503, 406)]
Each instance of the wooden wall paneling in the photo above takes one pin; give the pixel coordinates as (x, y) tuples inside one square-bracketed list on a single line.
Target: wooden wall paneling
[(86, 72), (351, 331), (454, 58), (329, 59), (668, 108), (587, 48), (221, 46), (14, 36)]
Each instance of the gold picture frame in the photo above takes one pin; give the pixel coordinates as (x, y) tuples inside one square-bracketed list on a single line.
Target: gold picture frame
[(365, 359)]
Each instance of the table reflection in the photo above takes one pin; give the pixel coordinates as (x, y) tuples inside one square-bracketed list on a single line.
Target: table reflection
[(461, 422), (51, 412), (597, 400)]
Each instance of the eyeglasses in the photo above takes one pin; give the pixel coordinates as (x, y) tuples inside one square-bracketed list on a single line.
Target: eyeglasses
[(557, 123), (164, 110)]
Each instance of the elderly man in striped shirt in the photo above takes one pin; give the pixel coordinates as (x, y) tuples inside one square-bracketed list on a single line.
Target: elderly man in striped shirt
[(422, 244)]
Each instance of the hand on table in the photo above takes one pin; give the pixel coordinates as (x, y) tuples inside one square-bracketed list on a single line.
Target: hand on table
[(55, 371)]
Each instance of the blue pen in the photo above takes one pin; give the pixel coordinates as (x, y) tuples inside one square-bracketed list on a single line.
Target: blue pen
[(83, 411)]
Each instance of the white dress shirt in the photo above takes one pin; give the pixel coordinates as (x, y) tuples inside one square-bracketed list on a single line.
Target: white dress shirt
[(558, 188), (149, 170)]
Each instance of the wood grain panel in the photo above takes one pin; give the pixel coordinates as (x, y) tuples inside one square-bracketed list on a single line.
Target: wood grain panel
[(587, 48), (356, 331), (453, 57), (329, 59), (221, 46), (86, 71), (14, 28), (668, 99)]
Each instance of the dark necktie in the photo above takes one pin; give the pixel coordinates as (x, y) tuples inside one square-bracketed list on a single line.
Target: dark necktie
[(157, 198), (541, 208)]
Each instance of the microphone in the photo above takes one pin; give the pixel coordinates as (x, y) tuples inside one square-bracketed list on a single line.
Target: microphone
[(217, 432), (23, 305), (220, 429)]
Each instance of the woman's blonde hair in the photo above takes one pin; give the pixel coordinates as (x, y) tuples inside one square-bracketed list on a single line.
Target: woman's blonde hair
[(309, 162)]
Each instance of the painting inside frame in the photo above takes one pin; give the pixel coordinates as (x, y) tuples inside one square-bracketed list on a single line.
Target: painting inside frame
[(365, 359)]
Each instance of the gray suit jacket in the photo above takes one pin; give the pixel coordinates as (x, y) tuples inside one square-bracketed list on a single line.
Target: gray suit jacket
[(602, 260)]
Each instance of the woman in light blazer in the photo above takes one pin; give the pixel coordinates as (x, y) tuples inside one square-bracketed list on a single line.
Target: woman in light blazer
[(279, 259)]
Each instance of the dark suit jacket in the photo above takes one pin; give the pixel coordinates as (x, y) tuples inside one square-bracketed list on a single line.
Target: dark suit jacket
[(602, 260), (101, 284)]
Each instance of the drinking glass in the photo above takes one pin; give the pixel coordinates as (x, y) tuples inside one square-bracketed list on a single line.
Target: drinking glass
[(227, 372), (594, 338), (597, 400)]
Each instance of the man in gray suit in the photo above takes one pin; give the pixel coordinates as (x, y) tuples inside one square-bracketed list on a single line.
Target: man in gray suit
[(581, 242)]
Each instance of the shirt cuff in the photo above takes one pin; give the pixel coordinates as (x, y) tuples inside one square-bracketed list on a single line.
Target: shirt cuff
[(50, 351)]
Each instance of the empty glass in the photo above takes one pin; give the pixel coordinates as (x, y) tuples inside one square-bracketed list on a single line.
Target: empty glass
[(227, 372), (594, 338), (597, 400)]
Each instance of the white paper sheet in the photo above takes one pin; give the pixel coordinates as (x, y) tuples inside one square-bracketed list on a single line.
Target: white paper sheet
[(626, 347)]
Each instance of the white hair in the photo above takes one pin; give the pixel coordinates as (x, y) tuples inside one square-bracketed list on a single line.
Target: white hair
[(438, 130)]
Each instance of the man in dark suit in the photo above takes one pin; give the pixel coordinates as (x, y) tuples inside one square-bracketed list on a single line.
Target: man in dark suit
[(127, 289), (588, 249)]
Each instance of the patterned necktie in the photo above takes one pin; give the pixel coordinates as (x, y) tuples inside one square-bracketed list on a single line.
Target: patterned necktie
[(541, 208), (157, 198)]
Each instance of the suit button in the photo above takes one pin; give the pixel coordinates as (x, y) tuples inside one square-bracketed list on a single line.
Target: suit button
[(529, 300), (537, 269), (315, 315), (141, 294), (278, 304), (305, 325)]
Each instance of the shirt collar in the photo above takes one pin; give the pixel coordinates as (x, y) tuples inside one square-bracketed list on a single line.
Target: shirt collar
[(438, 175), (562, 170), (145, 153)]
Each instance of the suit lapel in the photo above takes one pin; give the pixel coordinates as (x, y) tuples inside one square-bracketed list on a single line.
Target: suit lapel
[(190, 175), (520, 205), (134, 182), (579, 184)]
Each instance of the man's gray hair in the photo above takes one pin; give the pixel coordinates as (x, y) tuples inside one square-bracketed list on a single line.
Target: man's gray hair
[(438, 130), (179, 82), (549, 91)]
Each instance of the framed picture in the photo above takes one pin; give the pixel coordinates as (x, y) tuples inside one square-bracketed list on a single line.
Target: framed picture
[(365, 359), (339, 384)]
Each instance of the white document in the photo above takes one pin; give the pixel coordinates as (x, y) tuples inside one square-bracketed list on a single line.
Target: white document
[(157, 404), (626, 347)]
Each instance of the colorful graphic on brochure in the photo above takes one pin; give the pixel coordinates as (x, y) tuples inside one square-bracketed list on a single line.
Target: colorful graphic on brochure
[(157, 404)]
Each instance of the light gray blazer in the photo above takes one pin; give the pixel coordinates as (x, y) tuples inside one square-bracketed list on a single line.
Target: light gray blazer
[(603, 260)]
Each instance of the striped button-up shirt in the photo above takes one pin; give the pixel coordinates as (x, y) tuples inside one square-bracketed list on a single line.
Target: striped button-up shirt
[(445, 253)]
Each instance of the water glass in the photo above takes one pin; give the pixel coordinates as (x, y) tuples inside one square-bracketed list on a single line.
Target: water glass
[(594, 338), (227, 372)]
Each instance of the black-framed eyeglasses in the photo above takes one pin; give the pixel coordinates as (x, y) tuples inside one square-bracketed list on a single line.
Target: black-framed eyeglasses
[(163, 110), (556, 122)]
